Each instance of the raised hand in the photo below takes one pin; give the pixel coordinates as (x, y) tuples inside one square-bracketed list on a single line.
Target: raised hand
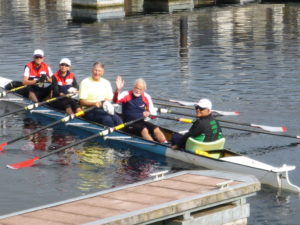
[(119, 83)]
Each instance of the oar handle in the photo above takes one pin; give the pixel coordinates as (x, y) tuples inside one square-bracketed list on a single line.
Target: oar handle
[(4, 93), (36, 105), (184, 120)]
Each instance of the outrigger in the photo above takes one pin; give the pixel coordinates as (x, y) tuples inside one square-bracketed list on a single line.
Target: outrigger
[(221, 159)]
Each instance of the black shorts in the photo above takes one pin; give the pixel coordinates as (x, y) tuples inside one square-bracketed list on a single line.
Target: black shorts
[(65, 103), (41, 92), (136, 128)]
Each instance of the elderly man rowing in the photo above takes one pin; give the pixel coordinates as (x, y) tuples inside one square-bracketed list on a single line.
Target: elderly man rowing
[(136, 104)]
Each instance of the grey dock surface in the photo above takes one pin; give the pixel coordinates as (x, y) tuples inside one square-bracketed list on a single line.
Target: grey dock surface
[(177, 198)]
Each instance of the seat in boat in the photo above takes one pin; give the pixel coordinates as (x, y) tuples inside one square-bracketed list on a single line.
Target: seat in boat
[(203, 148)]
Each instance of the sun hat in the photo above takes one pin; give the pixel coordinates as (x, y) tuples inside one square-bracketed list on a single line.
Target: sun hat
[(38, 52), (204, 103), (66, 61)]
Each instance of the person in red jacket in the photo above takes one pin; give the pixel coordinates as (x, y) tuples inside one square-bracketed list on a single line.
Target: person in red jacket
[(64, 82), (36, 74), (136, 103)]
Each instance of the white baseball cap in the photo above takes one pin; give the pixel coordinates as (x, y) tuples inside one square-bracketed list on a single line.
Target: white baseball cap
[(38, 52), (204, 103), (66, 61)]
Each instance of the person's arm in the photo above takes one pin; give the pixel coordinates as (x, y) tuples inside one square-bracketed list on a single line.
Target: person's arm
[(85, 102), (49, 78), (55, 88), (26, 80), (194, 131), (119, 85), (75, 84), (151, 109)]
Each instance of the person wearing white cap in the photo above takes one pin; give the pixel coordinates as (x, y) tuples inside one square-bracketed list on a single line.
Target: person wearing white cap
[(64, 82), (36, 74), (204, 129)]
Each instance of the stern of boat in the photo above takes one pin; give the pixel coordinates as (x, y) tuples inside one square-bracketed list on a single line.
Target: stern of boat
[(283, 178)]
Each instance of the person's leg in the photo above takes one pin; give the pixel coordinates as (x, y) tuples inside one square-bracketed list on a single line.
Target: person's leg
[(107, 120), (155, 132), (32, 96), (90, 115), (176, 138), (69, 110), (159, 135), (116, 120), (74, 105), (145, 134)]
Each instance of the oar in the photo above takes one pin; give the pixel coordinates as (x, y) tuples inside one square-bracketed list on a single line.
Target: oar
[(223, 113), (30, 162), (4, 93), (262, 132), (185, 120), (35, 105), (63, 120), (263, 127)]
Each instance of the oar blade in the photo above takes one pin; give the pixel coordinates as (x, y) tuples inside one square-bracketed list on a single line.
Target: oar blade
[(224, 113), (186, 103), (2, 146), (270, 128), (23, 164)]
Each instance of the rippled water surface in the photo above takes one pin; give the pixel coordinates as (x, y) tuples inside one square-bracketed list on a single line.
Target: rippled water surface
[(243, 57)]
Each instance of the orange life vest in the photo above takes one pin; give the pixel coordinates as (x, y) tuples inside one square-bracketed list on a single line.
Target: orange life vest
[(35, 72), (64, 83)]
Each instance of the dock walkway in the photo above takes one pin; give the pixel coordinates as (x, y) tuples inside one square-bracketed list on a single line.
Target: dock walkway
[(187, 197)]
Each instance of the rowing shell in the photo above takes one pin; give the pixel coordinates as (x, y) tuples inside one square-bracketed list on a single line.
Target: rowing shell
[(229, 161)]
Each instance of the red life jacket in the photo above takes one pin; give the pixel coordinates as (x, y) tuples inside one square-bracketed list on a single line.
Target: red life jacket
[(35, 72), (64, 83), (128, 98), (67, 80)]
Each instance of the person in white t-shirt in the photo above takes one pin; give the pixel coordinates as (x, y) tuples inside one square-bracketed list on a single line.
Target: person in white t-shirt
[(97, 91)]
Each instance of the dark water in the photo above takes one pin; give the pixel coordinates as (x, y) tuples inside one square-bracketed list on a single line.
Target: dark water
[(243, 57)]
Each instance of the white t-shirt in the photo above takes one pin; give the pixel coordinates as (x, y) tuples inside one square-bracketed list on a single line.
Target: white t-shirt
[(95, 91)]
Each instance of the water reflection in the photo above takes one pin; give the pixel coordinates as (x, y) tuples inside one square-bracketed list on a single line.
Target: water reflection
[(184, 45), (97, 15), (102, 167), (151, 6), (37, 141)]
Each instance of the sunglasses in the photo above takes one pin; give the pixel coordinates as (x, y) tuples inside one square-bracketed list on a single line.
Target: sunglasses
[(63, 64), (200, 108), (38, 57)]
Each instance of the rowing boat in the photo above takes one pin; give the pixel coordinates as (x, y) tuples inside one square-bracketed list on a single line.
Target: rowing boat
[(228, 160)]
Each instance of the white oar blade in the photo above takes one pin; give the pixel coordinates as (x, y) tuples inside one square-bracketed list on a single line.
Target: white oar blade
[(227, 113), (183, 102), (270, 128), (186, 103)]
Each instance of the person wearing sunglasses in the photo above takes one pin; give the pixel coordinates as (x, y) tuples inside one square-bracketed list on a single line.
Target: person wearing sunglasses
[(63, 83), (204, 129), (36, 74)]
